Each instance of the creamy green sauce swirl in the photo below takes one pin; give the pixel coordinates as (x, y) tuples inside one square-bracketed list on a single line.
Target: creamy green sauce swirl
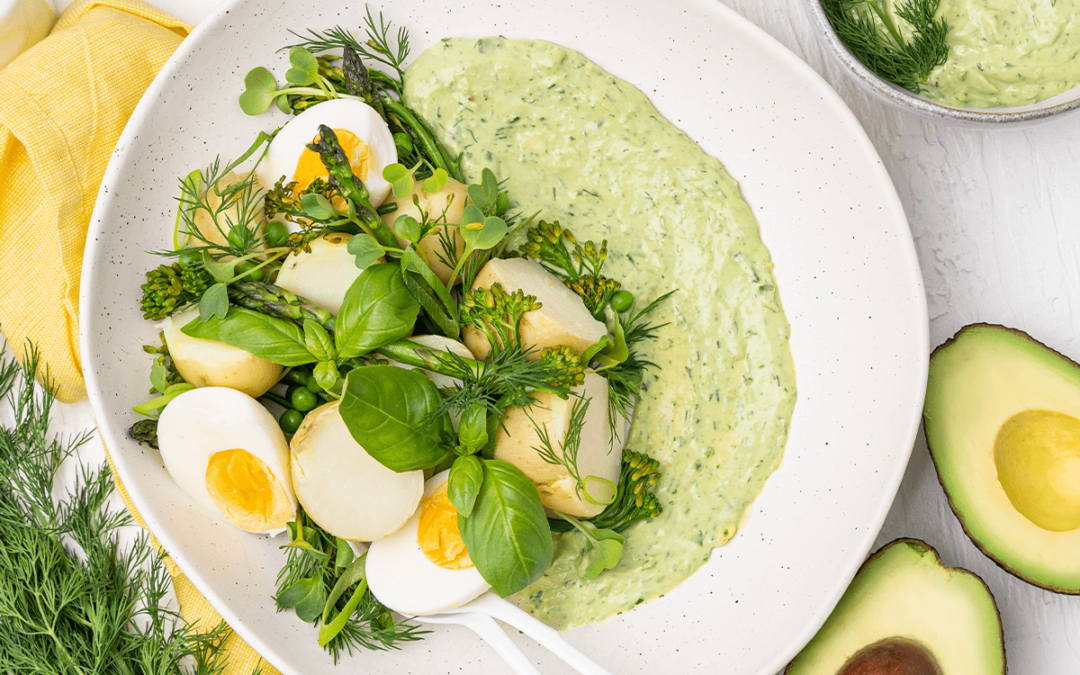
[(588, 149), (1007, 52)]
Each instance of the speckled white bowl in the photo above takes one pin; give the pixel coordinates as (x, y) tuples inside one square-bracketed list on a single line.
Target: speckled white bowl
[(845, 262), (905, 100)]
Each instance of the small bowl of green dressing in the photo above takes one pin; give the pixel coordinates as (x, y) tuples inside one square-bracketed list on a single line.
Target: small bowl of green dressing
[(967, 61)]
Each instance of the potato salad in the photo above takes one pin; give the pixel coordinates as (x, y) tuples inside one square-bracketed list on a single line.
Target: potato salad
[(410, 382)]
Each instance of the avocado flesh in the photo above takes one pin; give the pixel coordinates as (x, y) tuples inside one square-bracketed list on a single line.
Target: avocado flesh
[(1002, 419), (907, 614)]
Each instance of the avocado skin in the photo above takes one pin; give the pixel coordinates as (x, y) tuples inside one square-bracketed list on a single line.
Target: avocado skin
[(835, 628), (936, 452)]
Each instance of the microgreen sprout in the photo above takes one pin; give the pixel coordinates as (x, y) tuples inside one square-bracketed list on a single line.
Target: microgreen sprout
[(603, 548)]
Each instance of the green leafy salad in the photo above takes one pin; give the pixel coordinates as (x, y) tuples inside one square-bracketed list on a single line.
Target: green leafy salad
[(362, 349)]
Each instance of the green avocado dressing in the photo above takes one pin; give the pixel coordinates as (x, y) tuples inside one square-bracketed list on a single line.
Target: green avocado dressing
[(588, 149), (1007, 52)]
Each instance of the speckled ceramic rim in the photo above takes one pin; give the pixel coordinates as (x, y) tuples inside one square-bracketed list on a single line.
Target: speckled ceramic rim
[(924, 107)]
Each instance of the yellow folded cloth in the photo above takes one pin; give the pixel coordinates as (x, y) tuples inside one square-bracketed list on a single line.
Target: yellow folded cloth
[(63, 104)]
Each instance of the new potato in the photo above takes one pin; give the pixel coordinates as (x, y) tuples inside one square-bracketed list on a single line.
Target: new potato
[(208, 363), (218, 232), (563, 318), (598, 454), (324, 274), (451, 198), (343, 488)]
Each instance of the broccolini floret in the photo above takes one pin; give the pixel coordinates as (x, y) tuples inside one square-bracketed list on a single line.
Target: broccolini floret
[(577, 264), (635, 500), (497, 314), (172, 287)]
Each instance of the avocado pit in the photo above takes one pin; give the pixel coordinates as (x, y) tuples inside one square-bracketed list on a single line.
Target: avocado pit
[(1037, 455), (892, 656)]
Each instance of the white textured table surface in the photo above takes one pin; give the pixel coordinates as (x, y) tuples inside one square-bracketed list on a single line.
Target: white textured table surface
[(996, 219)]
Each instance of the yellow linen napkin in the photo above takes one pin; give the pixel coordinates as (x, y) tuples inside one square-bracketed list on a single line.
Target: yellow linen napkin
[(63, 104)]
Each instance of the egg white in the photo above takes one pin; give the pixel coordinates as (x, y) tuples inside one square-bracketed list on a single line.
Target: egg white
[(355, 116), (404, 579), (201, 422)]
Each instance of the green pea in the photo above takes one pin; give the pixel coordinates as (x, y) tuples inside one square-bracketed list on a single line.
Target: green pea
[(275, 233), (246, 266), (622, 301), (290, 420), (303, 399), (298, 376), (312, 384)]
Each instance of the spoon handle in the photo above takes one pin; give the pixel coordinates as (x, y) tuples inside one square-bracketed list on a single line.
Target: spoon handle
[(500, 609), (486, 628)]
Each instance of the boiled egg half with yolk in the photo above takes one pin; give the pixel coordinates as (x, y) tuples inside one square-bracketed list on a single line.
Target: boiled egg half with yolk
[(227, 452), (423, 568), (363, 135)]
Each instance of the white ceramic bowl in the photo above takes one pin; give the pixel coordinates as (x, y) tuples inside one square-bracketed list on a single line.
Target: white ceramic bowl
[(907, 101), (848, 276)]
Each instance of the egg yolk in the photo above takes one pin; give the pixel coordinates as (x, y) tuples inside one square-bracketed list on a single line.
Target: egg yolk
[(310, 165), (246, 491), (438, 534)]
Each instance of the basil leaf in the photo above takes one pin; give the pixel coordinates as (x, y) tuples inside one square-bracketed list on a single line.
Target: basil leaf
[(307, 597), (158, 373), (343, 558), (276, 340), (214, 302), (507, 534), (318, 341), (389, 411), (326, 374), (463, 484), (472, 428), (377, 309)]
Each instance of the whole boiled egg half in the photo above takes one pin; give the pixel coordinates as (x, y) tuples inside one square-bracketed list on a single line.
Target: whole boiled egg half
[(423, 568), (360, 130), (227, 452)]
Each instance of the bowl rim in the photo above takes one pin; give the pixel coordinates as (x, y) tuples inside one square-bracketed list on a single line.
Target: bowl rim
[(906, 100)]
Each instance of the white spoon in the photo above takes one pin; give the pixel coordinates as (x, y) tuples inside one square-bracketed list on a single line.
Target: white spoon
[(492, 605), (486, 628)]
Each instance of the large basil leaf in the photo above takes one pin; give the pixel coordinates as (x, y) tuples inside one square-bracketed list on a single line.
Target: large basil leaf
[(377, 309), (464, 482), (507, 534), (388, 410), (276, 340)]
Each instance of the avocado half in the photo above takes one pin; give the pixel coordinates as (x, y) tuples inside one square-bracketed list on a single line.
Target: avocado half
[(1002, 419), (907, 614)]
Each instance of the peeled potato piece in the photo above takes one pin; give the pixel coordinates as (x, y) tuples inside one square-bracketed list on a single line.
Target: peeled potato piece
[(517, 443), (562, 320), (208, 363), (343, 488), (217, 232), (324, 275), (450, 198)]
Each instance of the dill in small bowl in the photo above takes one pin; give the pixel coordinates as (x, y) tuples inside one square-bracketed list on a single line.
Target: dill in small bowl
[(973, 54)]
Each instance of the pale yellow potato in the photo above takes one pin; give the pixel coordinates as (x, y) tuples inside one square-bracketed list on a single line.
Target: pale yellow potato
[(563, 318), (598, 454), (343, 488), (324, 275), (204, 222), (209, 363), (451, 198)]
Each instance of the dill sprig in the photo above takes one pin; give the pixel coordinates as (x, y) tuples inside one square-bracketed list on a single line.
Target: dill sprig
[(380, 47), (868, 30), (62, 613), (626, 378)]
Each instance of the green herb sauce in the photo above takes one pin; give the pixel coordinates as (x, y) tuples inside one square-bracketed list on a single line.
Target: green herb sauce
[(1007, 52), (588, 149)]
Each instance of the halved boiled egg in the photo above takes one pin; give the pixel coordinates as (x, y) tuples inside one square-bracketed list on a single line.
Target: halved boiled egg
[(423, 568), (363, 135), (228, 453)]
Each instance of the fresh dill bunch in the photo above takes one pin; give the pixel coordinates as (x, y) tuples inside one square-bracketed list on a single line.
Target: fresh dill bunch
[(497, 314), (100, 611), (868, 30), (315, 561), (172, 288), (635, 497)]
